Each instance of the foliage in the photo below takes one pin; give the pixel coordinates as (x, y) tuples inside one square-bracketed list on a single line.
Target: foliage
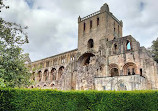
[(2, 83), (12, 67), (52, 100), (155, 49)]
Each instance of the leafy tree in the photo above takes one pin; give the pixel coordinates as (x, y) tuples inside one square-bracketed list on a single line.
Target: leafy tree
[(155, 49), (13, 72)]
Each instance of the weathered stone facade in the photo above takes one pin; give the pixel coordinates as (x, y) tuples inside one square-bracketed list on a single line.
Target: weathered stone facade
[(104, 60)]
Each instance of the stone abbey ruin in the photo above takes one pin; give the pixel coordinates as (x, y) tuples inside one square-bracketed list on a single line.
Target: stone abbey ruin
[(104, 60)]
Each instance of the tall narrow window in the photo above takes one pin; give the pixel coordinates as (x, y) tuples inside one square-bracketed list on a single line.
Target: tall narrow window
[(141, 72), (114, 27), (90, 24), (118, 30), (84, 26), (97, 21)]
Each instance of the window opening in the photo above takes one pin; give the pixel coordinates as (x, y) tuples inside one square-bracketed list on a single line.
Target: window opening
[(84, 27), (90, 24), (97, 21), (90, 43), (128, 45), (141, 72)]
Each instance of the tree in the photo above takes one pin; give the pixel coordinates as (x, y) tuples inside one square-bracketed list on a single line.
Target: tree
[(13, 72), (155, 49)]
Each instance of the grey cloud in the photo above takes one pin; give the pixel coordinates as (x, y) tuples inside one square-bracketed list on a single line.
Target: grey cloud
[(53, 23)]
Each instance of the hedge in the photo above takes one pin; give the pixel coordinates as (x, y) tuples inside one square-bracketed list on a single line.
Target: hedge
[(52, 100)]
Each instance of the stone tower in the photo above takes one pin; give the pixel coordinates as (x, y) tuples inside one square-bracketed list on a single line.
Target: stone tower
[(96, 26)]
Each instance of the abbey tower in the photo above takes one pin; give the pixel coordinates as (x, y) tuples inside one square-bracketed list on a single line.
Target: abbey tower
[(104, 60), (99, 25)]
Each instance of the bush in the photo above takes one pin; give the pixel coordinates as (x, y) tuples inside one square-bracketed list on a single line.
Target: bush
[(52, 100)]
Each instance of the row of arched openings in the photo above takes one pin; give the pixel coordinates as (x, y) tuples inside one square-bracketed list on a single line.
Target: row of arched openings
[(128, 69), (52, 75)]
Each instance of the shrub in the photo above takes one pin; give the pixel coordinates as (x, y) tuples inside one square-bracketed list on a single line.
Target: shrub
[(52, 100)]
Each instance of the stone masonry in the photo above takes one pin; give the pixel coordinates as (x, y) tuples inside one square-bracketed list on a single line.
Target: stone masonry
[(104, 60)]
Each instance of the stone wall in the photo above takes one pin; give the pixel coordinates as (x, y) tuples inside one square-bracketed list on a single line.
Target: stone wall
[(104, 60)]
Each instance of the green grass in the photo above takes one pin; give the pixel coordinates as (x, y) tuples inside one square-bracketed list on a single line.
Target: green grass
[(52, 100)]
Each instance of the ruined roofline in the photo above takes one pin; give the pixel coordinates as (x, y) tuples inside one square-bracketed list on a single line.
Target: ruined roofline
[(56, 55)]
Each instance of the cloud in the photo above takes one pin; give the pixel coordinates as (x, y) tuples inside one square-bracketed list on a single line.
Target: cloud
[(53, 26)]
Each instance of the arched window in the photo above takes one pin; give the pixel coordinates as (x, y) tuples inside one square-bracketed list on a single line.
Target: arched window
[(53, 74), (128, 45), (114, 70), (130, 69), (90, 43), (46, 73), (39, 75), (60, 71)]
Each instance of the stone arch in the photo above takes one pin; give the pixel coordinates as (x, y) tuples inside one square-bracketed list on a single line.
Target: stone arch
[(53, 74), (130, 68), (90, 43), (114, 70), (85, 59), (45, 75), (39, 76), (60, 72)]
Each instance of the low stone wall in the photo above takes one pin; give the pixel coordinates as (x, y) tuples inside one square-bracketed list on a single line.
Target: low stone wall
[(131, 82)]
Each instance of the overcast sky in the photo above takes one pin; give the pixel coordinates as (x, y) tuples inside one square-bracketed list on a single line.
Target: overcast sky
[(53, 26)]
